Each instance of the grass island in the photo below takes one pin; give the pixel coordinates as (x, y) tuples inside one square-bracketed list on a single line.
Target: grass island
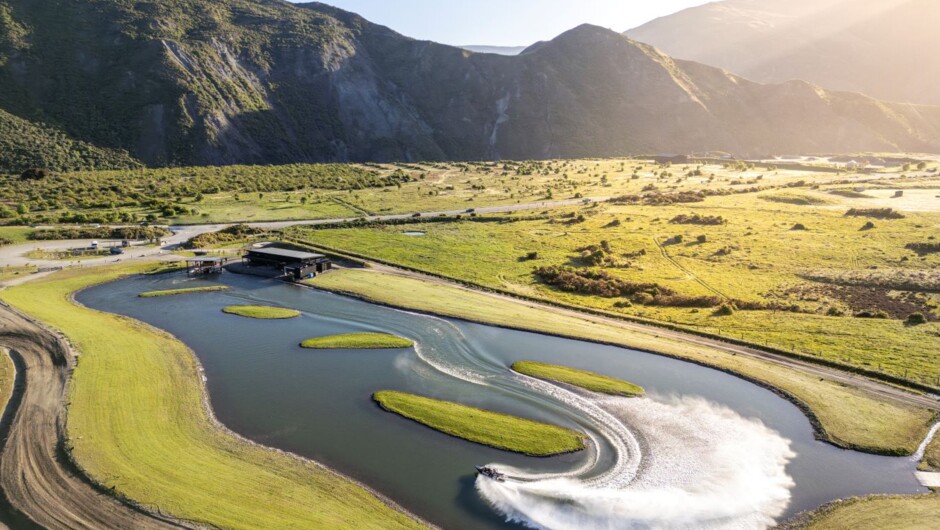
[(261, 312), (493, 429), (132, 419), (189, 290), (579, 378), (357, 341)]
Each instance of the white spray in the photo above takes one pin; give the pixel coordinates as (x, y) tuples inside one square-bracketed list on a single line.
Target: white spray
[(675, 463)]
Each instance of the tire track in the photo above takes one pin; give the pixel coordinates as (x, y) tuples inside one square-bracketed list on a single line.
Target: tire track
[(688, 273), (36, 474)]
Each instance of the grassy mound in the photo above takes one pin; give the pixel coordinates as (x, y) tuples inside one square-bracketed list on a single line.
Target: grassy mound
[(261, 312), (174, 292), (358, 341), (579, 378), (493, 429)]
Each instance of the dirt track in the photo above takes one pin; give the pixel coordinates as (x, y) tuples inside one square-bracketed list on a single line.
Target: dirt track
[(35, 475)]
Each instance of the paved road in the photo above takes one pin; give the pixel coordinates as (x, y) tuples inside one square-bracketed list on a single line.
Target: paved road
[(15, 255)]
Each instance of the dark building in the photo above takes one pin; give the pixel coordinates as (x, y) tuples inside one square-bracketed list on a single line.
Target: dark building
[(296, 263)]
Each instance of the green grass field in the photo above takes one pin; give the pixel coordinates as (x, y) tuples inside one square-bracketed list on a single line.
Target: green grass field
[(358, 341), (848, 417), (579, 378), (14, 235), (813, 281), (492, 429), (9, 273), (880, 513), (190, 290), (7, 379), (137, 426), (261, 312)]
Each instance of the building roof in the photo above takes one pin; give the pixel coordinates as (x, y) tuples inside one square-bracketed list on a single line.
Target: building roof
[(275, 252)]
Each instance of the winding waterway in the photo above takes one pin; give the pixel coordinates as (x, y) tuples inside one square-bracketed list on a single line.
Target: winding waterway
[(705, 450)]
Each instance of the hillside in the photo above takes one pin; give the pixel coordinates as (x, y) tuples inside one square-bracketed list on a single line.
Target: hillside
[(26, 145), (883, 48), (264, 81)]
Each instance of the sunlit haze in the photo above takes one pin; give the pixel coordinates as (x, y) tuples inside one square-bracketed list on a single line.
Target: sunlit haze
[(506, 22)]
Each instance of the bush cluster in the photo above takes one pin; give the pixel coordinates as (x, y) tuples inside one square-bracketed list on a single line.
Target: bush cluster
[(698, 219), (875, 213), (139, 233), (231, 234), (923, 248), (598, 283)]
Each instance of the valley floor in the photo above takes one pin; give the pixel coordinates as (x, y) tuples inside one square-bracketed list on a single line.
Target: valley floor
[(139, 427)]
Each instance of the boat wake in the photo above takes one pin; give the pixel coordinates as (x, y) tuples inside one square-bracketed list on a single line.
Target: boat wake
[(657, 462), (703, 466)]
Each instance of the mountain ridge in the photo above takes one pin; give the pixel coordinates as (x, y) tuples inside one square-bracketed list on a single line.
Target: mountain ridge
[(882, 48), (246, 81)]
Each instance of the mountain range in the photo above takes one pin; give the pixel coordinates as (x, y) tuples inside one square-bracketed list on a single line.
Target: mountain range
[(266, 81), (884, 48)]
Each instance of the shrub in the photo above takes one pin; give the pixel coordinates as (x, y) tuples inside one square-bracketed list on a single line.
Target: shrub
[(698, 219), (871, 314), (799, 226), (34, 174), (124, 232), (227, 235), (916, 319), (876, 213), (725, 310), (598, 283), (702, 239), (868, 226), (923, 248), (531, 256)]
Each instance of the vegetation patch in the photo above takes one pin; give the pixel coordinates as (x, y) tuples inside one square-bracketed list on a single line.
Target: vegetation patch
[(866, 301), (698, 219), (595, 282), (261, 312), (232, 234), (579, 378), (189, 290), (494, 429), (358, 341), (602, 283), (927, 281), (924, 248), (136, 233), (850, 194), (798, 199), (875, 213)]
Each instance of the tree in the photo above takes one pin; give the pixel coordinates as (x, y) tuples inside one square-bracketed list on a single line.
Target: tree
[(34, 174)]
